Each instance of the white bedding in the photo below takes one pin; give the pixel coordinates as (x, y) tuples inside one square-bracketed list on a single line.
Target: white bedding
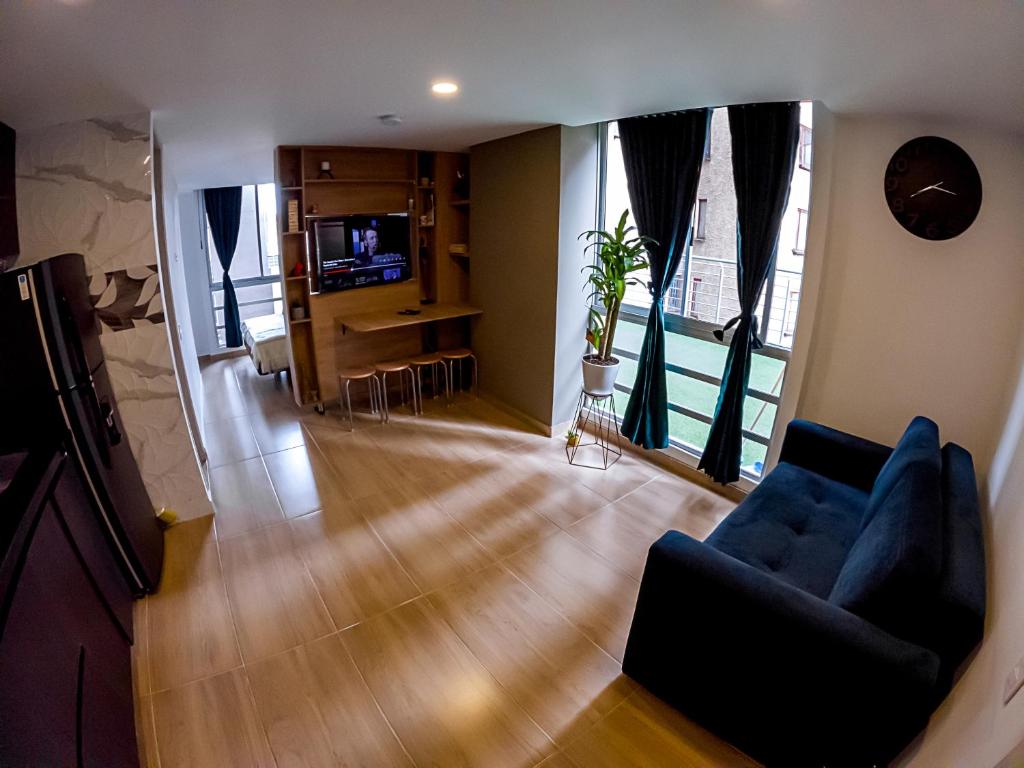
[(265, 339)]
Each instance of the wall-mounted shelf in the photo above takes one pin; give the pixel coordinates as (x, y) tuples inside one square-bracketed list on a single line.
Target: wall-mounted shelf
[(300, 232), (300, 322), (291, 189), (292, 278), (360, 181)]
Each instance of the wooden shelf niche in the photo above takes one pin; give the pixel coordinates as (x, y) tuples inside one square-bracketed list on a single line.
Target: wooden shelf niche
[(368, 181)]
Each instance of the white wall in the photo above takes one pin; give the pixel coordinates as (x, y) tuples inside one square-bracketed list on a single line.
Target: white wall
[(906, 326), (577, 213), (176, 305), (196, 273)]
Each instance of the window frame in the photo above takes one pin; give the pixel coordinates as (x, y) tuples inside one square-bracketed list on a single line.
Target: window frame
[(700, 225), (801, 229), (804, 159), (247, 282)]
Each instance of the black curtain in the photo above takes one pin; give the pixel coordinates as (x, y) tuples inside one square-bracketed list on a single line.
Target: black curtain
[(764, 147), (662, 155), (224, 212)]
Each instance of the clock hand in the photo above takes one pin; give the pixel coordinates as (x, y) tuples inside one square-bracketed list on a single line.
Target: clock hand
[(937, 187)]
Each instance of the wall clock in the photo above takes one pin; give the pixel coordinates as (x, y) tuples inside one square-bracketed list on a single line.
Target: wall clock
[(933, 188)]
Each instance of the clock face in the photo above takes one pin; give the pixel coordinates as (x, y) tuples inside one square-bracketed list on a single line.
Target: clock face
[(933, 188)]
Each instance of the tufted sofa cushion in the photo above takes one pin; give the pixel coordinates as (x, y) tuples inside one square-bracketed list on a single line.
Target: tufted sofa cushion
[(796, 525)]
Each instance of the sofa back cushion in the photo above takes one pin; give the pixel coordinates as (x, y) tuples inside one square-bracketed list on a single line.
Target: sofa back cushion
[(920, 442), (891, 573)]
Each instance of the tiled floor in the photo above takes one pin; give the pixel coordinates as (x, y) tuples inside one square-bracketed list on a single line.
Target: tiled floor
[(439, 591)]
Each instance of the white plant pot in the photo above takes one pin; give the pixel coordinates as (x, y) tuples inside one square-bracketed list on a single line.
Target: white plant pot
[(598, 379)]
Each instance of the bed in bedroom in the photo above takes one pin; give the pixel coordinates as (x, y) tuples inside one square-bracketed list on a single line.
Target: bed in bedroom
[(266, 342)]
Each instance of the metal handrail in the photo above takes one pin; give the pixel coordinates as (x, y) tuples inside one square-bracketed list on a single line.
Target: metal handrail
[(707, 378), (701, 417)]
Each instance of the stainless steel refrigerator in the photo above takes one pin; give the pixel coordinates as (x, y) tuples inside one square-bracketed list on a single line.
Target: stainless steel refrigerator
[(54, 388)]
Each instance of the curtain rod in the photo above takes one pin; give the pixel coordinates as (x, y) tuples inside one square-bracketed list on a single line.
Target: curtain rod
[(671, 112)]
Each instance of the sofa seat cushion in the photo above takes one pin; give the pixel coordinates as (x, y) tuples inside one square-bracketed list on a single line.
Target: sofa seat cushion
[(796, 525)]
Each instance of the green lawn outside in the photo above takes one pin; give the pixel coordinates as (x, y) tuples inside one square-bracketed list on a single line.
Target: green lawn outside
[(706, 357)]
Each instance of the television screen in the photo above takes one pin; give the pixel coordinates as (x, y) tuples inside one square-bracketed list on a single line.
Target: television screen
[(356, 251)]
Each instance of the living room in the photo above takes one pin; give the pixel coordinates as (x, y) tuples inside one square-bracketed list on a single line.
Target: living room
[(443, 479)]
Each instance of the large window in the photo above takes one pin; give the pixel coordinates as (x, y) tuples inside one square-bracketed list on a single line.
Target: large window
[(256, 266), (703, 296)]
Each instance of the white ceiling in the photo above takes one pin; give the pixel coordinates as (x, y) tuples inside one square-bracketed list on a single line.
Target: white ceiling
[(229, 80)]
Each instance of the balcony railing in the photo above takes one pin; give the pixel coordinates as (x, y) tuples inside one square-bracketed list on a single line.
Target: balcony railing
[(705, 300), (712, 297)]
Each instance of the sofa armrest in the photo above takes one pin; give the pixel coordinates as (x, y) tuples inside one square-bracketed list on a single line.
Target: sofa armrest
[(836, 455), (783, 674)]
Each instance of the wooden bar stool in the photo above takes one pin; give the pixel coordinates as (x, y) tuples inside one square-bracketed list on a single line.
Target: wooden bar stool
[(399, 367), (345, 378), (450, 356), (433, 361)]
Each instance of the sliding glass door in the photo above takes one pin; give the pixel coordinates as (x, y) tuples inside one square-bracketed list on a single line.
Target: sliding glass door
[(703, 297)]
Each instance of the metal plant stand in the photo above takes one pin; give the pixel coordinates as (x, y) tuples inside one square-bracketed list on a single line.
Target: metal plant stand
[(596, 418)]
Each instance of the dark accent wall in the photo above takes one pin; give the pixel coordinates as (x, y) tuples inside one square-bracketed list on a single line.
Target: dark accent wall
[(514, 268)]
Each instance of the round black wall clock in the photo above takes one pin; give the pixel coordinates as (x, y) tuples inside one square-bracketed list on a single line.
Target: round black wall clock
[(933, 188)]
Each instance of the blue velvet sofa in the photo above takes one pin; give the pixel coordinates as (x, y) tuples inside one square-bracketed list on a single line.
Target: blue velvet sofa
[(823, 620)]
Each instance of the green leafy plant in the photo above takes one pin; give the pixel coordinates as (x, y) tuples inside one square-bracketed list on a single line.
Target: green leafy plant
[(618, 254), (572, 437)]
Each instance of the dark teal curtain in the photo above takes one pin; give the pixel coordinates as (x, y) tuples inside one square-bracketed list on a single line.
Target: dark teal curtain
[(662, 155), (224, 212), (764, 147)]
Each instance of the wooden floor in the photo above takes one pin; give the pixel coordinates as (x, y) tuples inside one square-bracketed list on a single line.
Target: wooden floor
[(439, 591)]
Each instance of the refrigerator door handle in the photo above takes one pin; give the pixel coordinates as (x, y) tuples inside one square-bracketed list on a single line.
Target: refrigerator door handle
[(73, 340), (114, 433)]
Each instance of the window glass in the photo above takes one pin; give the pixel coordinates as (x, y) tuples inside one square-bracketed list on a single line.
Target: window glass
[(267, 198)]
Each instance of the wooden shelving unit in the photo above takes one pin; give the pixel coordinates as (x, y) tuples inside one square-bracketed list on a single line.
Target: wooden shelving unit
[(369, 180)]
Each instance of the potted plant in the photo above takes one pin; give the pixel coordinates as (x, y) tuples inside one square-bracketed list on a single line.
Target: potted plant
[(619, 255), (572, 437)]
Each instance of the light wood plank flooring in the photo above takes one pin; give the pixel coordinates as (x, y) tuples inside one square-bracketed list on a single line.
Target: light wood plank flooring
[(439, 591)]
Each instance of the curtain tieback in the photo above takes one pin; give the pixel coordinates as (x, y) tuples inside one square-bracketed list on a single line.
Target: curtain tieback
[(755, 342)]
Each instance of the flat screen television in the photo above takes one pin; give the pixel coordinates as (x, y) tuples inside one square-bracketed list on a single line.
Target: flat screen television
[(361, 250)]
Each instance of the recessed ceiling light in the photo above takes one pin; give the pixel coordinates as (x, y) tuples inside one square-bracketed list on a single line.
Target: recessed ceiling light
[(444, 88)]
